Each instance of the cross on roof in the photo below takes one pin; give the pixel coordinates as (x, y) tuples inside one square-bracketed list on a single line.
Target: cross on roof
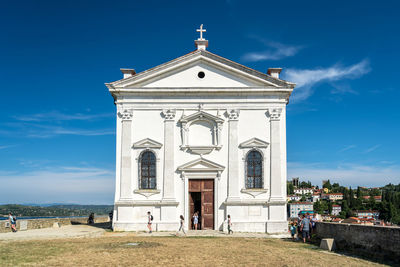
[(201, 30)]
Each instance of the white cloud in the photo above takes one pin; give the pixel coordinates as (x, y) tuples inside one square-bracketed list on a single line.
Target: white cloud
[(276, 51), (347, 148), (58, 184), (346, 174), (54, 131), (307, 78), (341, 89), (7, 146), (59, 116), (42, 130), (371, 149)]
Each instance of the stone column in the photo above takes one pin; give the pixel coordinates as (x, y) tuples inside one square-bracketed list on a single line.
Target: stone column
[(126, 142), (276, 155), (169, 167), (233, 164)]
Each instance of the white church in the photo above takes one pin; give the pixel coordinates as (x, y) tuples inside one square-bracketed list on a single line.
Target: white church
[(203, 134)]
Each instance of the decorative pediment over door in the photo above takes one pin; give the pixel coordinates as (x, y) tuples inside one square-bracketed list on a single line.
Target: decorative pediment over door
[(201, 168)]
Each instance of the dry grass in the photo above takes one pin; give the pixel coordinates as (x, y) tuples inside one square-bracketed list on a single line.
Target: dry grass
[(112, 250)]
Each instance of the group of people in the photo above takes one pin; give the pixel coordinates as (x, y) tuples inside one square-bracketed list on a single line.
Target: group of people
[(13, 222), (303, 227), (195, 218)]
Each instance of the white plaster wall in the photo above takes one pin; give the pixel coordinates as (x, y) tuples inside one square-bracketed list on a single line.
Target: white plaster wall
[(147, 122), (214, 77)]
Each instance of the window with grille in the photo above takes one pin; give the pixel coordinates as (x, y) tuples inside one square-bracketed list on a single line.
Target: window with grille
[(148, 170), (254, 170)]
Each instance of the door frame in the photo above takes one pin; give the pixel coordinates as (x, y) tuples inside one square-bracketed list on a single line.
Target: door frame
[(200, 176), (201, 194)]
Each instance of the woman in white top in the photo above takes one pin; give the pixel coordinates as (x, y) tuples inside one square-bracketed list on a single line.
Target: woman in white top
[(182, 225), (195, 220)]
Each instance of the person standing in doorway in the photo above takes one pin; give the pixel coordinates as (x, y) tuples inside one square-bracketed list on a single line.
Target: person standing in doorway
[(229, 225), (195, 220), (182, 225), (149, 221)]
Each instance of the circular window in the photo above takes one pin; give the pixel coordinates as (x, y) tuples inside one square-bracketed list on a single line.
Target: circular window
[(201, 75)]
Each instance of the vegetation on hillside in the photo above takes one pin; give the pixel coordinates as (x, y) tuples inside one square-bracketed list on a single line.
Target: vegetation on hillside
[(389, 206), (56, 210)]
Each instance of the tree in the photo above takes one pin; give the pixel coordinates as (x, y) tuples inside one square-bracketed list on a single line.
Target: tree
[(290, 188), (371, 202), (359, 193), (328, 185), (335, 188), (330, 207), (352, 199), (345, 209)]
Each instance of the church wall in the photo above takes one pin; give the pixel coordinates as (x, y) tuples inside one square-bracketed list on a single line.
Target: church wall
[(233, 87), (148, 123)]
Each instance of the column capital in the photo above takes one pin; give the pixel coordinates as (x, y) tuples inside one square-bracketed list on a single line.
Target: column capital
[(274, 114), (233, 114), (169, 114), (125, 114)]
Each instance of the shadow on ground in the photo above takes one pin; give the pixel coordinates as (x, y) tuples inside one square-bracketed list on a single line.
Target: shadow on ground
[(103, 225), (315, 242)]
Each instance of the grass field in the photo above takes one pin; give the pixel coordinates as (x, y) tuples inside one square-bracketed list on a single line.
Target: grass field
[(114, 250)]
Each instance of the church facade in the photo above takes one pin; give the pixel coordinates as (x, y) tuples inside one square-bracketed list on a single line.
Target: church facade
[(201, 134)]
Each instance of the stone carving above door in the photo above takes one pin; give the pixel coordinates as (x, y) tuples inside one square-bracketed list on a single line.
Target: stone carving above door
[(201, 132)]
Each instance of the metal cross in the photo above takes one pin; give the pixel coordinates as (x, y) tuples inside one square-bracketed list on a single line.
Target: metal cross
[(201, 30)]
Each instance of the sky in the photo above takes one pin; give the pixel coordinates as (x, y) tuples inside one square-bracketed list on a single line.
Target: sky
[(57, 118)]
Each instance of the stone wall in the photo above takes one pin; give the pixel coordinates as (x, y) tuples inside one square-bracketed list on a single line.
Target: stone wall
[(377, 242), (48, 222)]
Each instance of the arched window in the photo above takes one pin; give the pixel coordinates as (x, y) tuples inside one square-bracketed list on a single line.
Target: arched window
[(148, 170), (254, 170)]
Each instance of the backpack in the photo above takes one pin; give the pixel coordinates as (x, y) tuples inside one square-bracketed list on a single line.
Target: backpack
[(151, 217)]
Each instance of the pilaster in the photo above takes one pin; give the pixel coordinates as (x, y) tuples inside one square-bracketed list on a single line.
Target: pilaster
[(277, 194), (233, 164), (125, 178), (169, 167)]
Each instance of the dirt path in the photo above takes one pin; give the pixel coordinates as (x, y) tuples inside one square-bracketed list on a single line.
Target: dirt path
[(70, 231)]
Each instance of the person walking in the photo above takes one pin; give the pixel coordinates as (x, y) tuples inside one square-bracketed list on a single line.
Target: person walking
[(292, 230), (305, 227), (149, 222), (195, 220), (229, 225), (182, 225), (91, 218), (314, 221), (13, 223), (299, 227)]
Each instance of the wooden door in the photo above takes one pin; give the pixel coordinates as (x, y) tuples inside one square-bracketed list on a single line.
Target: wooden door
[(206, 190), (207, 204)]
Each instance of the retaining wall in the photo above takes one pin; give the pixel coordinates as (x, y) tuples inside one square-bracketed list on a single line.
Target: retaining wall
[(48, 222), (379, 242)]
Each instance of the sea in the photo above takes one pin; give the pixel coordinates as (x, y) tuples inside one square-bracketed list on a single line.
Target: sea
[(41, 217)]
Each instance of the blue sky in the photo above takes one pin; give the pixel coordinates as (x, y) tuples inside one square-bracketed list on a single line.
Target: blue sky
[(57, 125)]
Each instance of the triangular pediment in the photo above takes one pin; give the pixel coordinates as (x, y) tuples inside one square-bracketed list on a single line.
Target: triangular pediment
[(147, 143), (183, 73), (201, 164), (201, 115), (254, 142)]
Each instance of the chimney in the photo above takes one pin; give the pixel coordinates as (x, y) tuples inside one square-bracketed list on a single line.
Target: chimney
[(274, 72), (128, 72)]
